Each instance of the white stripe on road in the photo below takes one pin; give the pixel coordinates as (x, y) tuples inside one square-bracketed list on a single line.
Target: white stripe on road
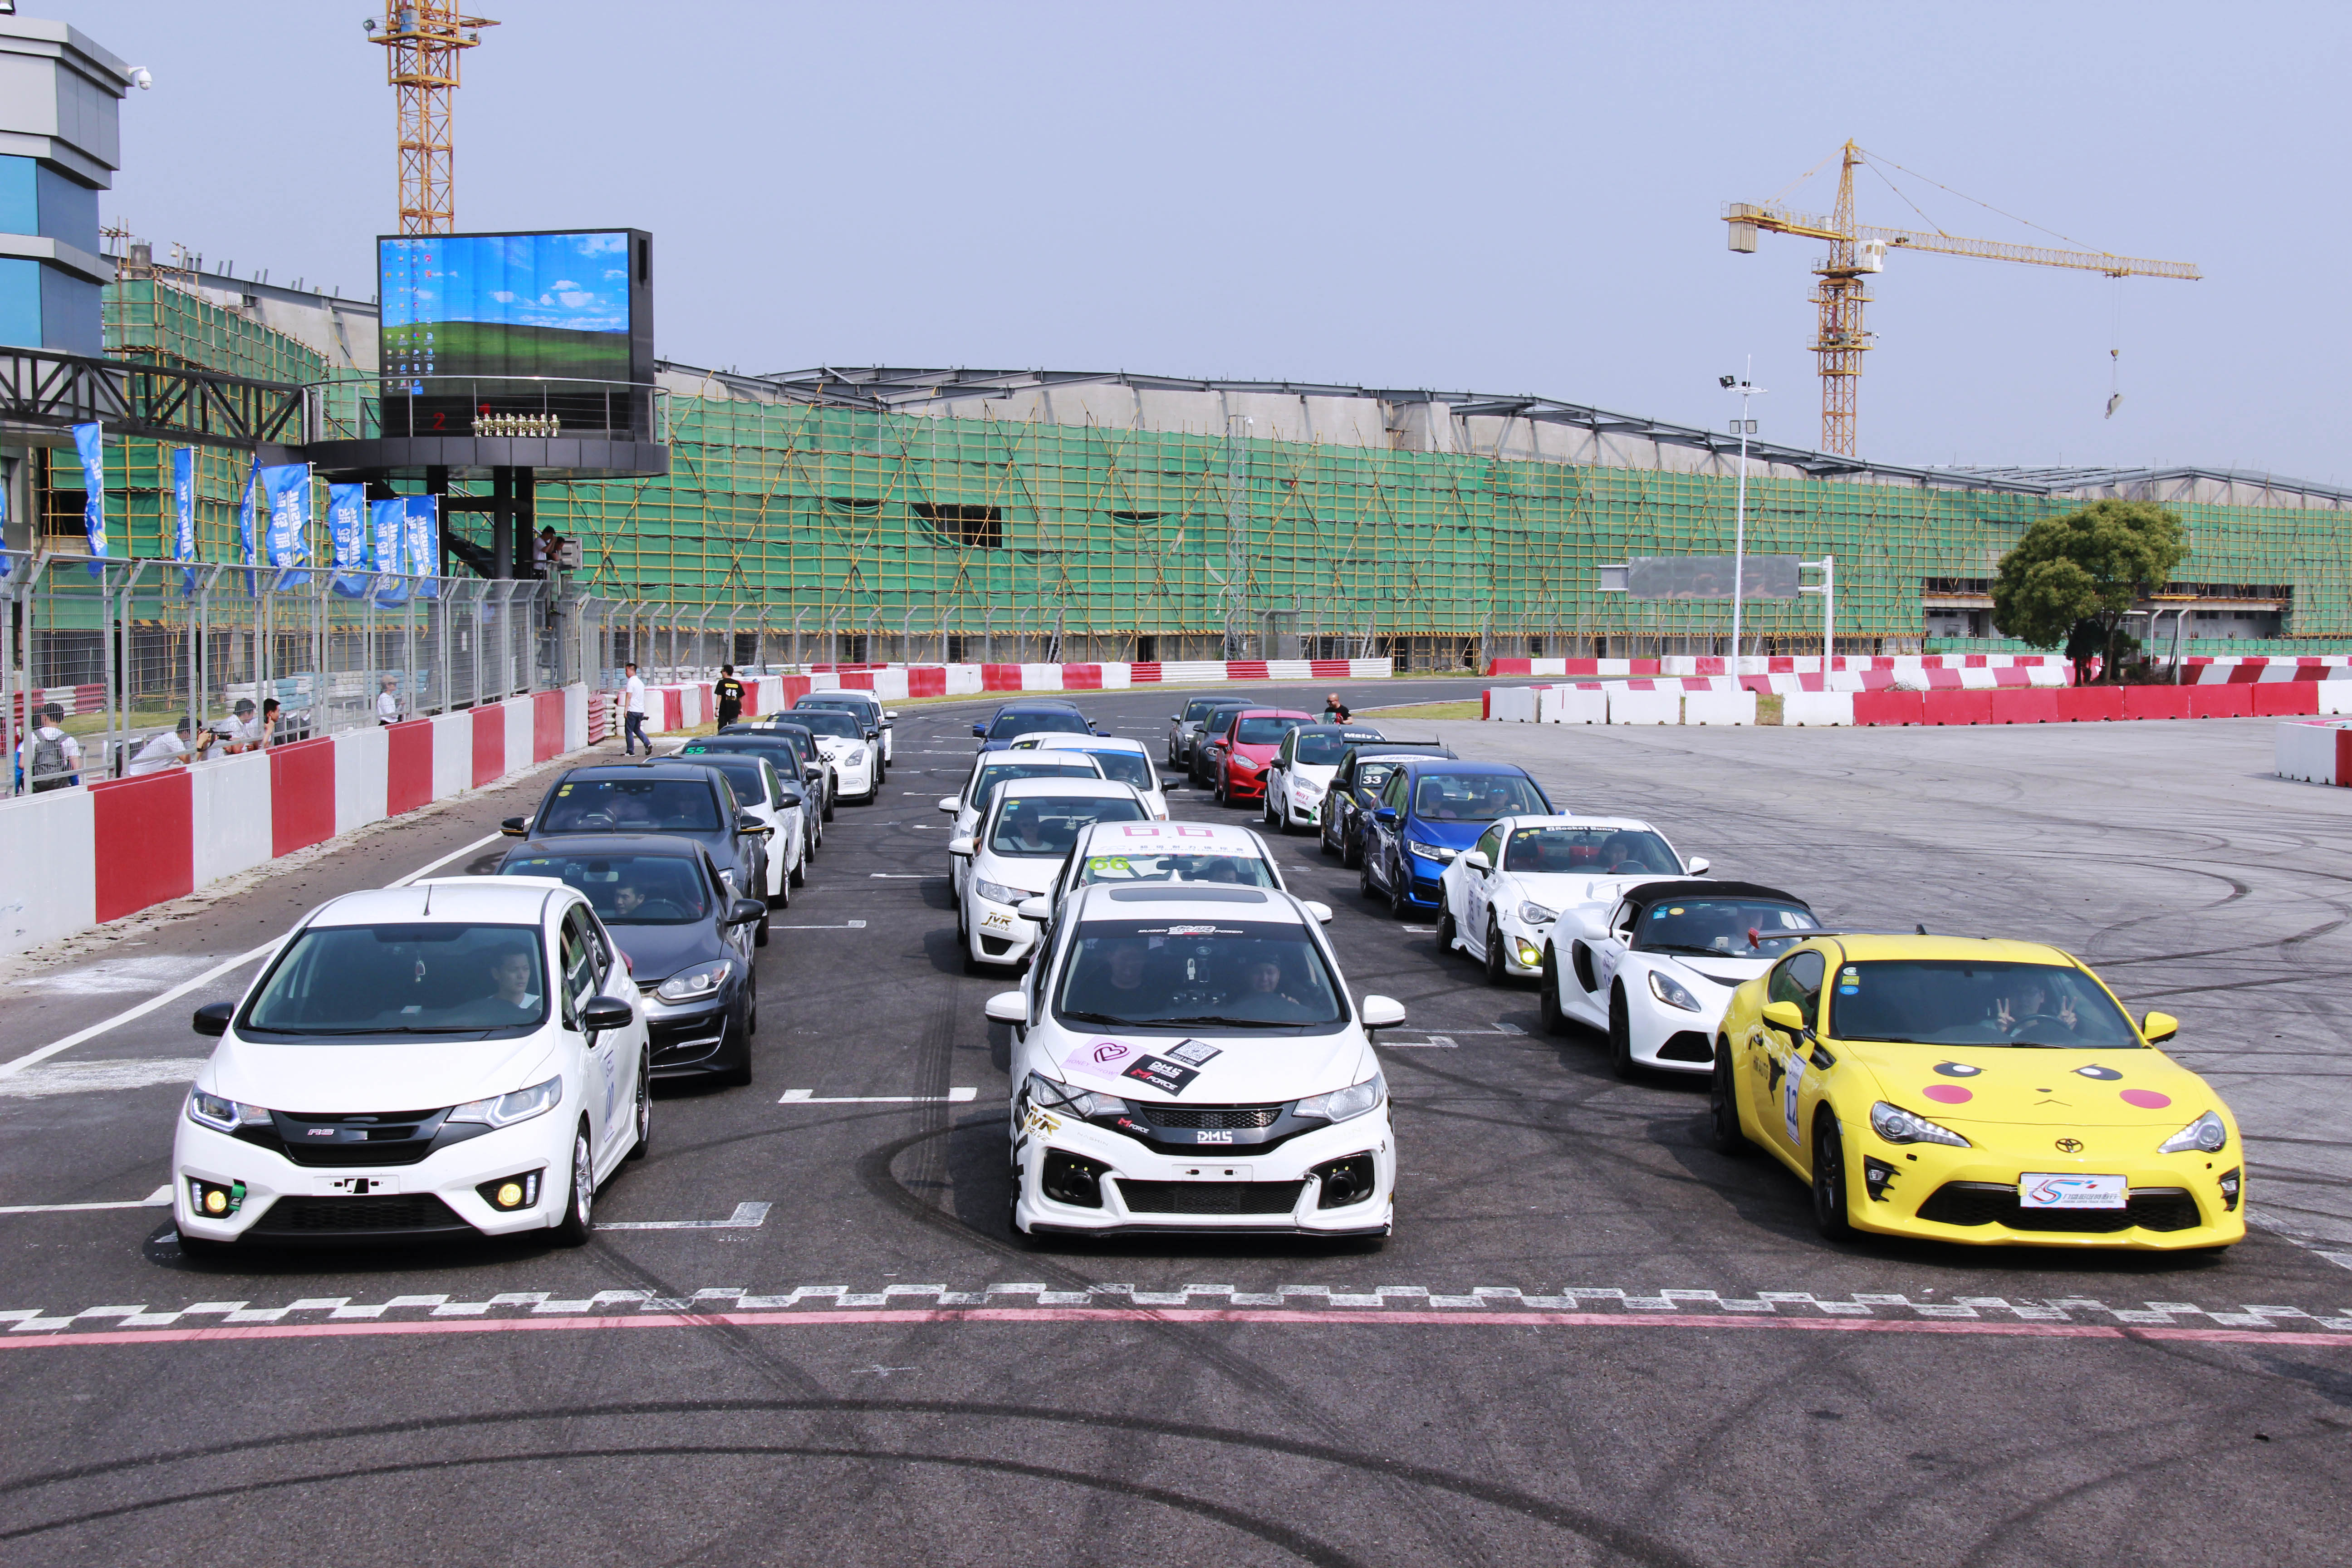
[(811, 1097), (900, 876), (1434, 1042), (747, 1217), (31, 1058), (160, 1198), (845, 925), (73, 1078)]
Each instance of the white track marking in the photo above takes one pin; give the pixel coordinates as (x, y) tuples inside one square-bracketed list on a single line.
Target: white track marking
[(845, 925), (900, 876), (31, 1059), (1435, 1043), (811, 1097), (747, 1217), (160, 1198), (113, 975), (75, 1077)]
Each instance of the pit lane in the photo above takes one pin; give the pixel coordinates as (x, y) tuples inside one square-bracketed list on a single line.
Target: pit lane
[(1590, 1337)]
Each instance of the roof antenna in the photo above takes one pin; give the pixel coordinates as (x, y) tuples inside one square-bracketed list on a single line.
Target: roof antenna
[(1920, 929), (428, 898)]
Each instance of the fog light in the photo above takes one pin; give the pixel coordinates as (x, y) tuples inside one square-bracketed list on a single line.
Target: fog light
[(1530, 955), (215, 1201), (2229, 1191), (1875, 1175), (510, 1193), (1345, 1182), (1073, 1179)]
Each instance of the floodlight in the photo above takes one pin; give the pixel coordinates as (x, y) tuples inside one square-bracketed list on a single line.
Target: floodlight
[(1726, 382)]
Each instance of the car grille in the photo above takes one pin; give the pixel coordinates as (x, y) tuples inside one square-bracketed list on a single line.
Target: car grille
[(1230, 1117), (391, 1213), (1210, 1198), (1687, 1045), (385, 1138), (1991, 1203)]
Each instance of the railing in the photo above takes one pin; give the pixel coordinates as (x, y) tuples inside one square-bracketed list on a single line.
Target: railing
[(132, 398), (366, 406)]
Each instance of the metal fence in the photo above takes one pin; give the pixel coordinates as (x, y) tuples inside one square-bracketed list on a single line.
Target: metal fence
[(126, 649)]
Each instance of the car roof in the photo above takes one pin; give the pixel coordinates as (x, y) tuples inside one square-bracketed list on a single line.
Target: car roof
[(1574, 819), (846, 694), (1185, 901), (1949, 949), (1062, 741), (1195, 838), (668, 843), (1358, 732), (1063, 788), (1009, 758), (1471, 765), (444, 900), (1275, 713), (595, 772), (1401, 751), (1697, 888), (1037, 705)]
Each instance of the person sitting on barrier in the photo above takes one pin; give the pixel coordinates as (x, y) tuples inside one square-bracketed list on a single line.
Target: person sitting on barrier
[(169, 748)]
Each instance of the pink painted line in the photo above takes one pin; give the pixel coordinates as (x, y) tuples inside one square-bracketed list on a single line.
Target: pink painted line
[(1443, 1319)]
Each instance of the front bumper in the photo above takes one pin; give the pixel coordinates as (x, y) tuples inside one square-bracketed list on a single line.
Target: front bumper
[(1306, 814), (1240, 786), (1421, 879), (1969, 1196), (997, 934), (1669, 1039), (1170, 1191), (690, 1039), (287, 1205)]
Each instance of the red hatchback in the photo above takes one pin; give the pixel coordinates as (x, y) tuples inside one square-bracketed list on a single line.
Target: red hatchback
[(1239, 752)]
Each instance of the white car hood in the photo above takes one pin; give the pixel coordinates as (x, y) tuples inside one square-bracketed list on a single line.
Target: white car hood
[(1565, 891), (1242, 1070), (1031, 874), (1723, 971), (1317, 773), (327, 1077)]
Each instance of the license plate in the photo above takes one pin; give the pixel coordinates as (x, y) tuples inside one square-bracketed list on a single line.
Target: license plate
[(1210, 1173), (354, 1187), (2037, 1190)]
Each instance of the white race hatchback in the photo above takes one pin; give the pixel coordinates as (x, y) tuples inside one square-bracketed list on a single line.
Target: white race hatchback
[(1300, 776), (1499, 899), (1122, 760), (1187, 1058), (460, 1056), (1168, 853), (1023, 840), (992, 769)]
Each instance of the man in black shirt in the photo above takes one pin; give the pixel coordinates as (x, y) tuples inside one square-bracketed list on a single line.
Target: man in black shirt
[(729, 693)]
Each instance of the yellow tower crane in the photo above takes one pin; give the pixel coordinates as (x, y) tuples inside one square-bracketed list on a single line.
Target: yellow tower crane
[(424, 40), (1858, 249)]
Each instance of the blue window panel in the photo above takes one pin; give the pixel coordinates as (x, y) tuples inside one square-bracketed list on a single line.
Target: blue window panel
[(19, 204), (69, 313), (20, 301), (68, 210)]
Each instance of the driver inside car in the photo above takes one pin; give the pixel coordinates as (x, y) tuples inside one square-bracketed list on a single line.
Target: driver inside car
[(1267, 999), (511, 975), (2031, 1006)]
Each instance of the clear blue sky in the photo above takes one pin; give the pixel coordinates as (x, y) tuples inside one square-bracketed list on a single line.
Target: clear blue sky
[(1505, 198)]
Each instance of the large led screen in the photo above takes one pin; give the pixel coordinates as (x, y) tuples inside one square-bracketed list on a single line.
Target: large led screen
[(507, 305)]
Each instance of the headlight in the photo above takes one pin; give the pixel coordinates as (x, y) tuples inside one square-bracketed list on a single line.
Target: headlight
[(1428, 851), (999, 893), (1534, 914), (1244, 765), (1344, 1104), (1079, 1102), (223, 1115), (1306, 789), (506, 1110), (855, 756), (1898, 1125), (1671, 993), (695, 983), (2207, 1133)]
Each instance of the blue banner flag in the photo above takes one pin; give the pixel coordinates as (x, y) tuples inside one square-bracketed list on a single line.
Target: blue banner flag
[(287, 487), (89, 440), (245, 525), (390, 529), (425, 544), (183, 512), (347, 526)]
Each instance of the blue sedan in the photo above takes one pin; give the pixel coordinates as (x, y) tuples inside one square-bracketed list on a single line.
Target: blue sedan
[(1431, 810)]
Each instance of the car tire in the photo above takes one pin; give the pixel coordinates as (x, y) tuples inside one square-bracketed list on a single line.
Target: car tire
[(1013, 1204), (645, 1107), (798, 875), (1351, 849), (782, 898), (1323, 837), (580, 1197), (1723, 1134), (1400, 898), (1364, 885), (759, 933), (1446, 929), (1555, 1022), (1832, 1200), (828, 800), (1621, 1036), (1497, 974)]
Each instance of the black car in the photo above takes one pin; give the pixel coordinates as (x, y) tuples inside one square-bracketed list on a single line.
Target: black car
[(879, 721), (768, 794), (1214, 718), (1184, 726), (681, 930), (1356, 785), (673, 799), (1030, 716), (777, 740)]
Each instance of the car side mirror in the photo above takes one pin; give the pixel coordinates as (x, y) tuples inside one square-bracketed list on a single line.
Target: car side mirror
[(1320, 911), (980, 731), (949, 803), (1384, 814), (1476, 860), (1698, 865), (1039, 909), (603, 1013), (743, 912), (2157, 1028), (752, 827), (212, 1018), (961, 845), (1787, 1017), (789, 797), (515, 826), (1380, 1012), (1007, 1008)]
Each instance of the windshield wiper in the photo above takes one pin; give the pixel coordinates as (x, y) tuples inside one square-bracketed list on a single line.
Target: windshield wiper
[(1686, 947), (1111, 1018), (1213, 1019)]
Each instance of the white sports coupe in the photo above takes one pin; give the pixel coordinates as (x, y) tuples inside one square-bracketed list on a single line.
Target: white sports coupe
[(1498, 899)]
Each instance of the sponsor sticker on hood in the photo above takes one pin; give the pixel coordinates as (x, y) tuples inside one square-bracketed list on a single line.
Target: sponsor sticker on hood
[(1105, 1057), (1160, 1073)]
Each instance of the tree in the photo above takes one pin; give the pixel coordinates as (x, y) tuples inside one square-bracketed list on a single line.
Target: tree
[(2072, 579)]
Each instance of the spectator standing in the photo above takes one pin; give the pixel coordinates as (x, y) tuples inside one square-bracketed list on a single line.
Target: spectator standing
[(729, 693), (633, 712), (169, 748), (1334, 710), (49, 758), (387, 703)]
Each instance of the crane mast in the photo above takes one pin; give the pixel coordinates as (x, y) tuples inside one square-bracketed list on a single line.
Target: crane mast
[(424, 41)]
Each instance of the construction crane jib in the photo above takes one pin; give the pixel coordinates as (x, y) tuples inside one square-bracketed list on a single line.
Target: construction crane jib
[(424, 41), (1857, 250)]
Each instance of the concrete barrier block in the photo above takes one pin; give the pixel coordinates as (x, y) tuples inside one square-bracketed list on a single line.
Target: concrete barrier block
[(1571, 705), (48, 882), (1645, 707), (1511, 704), (2308, 751), (230, 815), (362, 777), (1817, 708), (1719, 708)]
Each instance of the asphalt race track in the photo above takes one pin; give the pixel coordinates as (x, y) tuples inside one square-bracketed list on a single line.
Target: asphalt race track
[(803, 1334)]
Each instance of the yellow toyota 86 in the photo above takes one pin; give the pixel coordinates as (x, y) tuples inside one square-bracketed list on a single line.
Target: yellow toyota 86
[(1977, 1091)]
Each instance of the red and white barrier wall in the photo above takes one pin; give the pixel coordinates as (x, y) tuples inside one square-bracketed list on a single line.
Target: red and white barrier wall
[(1703, 700), (2237, 672), (73, 859), (1790, 664), (2315, 751)]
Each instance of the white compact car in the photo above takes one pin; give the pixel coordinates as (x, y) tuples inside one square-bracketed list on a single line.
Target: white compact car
[(1163, 854), (1300, 776), (989, 771), (1498, 899), (1123, 761), (460, 1056), (1186, 1058), (1023, 840), (1657, 970), (855, 761)]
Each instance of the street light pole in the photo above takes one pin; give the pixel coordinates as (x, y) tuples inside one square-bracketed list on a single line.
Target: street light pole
[(1742, 427)]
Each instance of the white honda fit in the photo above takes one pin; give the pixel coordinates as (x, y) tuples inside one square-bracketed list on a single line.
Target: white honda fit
[(457, 1057)]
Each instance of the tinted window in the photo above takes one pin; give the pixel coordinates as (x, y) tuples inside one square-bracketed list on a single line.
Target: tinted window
[(1324, 750), (1030, 765), (424, 979), (827, 721), (1798, 981), (1589, 851), (1127, 768), (1173, 866), (1198, 706), (1370, 776), (1959, 1003), (744, 774), (1043, 825), (1052, 722), (627, 889), (631, 806), (1263, 732), (790, 752), (1476, 798), (1198, 974), (1733, 928)]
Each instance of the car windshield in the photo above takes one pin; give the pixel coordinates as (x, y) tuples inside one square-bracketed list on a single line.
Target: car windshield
[(1171, 865), (1126, 767), (744, 772), (1032, 826), (1323, 748), (1038, 721), (838, 704), (1266, 732), (1476, 798), (1198, 709), (827, 721), (1189, 974), (775, 744), (994, 772), (1956, 1002), (448, 978), (627, 889), (1370, 776), (631, 806), (1590, 852), (1732, 928)]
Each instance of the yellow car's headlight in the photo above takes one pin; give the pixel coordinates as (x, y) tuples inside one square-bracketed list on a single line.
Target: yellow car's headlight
[(2208, 1133), (1898, 1125)]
